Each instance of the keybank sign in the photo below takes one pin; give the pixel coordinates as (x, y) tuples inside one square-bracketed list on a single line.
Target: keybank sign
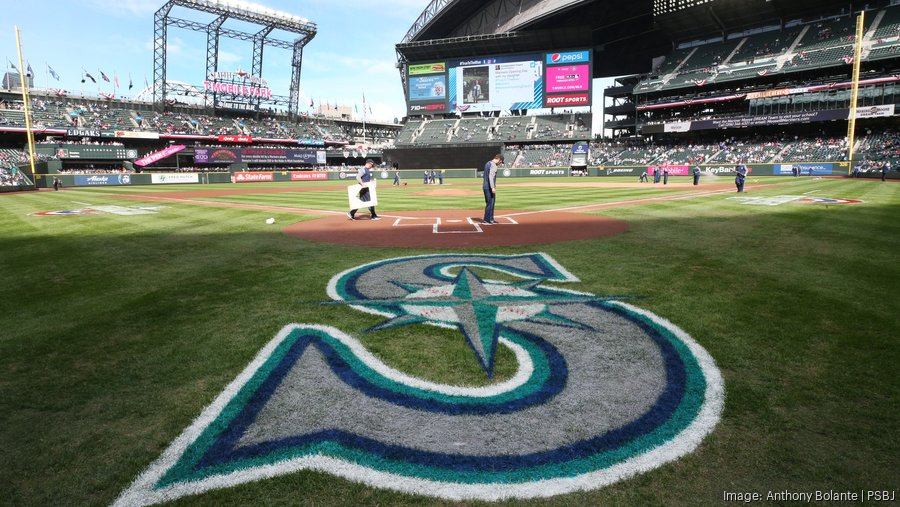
[(570, 57)]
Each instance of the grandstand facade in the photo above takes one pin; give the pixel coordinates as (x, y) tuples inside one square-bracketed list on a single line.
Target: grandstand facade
[(705, 82)]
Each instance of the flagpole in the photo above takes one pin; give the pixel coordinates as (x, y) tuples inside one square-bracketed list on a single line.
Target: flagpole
[(854, 89), (47, 76), (24, 85), (364, 117)]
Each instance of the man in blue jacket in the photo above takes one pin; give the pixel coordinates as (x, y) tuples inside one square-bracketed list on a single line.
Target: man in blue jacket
[(490, 188)]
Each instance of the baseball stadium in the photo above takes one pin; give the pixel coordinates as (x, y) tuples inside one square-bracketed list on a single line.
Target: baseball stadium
[(615, 252)]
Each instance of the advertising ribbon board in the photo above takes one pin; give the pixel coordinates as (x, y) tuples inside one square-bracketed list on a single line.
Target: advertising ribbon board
[(309, 176), (211, 155), (169, 178), (253, 177), (159, 155)]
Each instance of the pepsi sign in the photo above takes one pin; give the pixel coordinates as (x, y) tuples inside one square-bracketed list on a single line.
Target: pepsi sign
[(568, 57)]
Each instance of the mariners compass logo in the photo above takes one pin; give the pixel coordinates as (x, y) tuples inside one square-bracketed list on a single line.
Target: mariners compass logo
[(602, 391)]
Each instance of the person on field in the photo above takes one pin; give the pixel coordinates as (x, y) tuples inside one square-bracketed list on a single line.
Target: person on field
[(666, 176), (656, 175), (56, 184), (364, 177), (489, 185), (885, 169), (740, 176), (696, 174), (644, 178), (396, 168), (425, 177)]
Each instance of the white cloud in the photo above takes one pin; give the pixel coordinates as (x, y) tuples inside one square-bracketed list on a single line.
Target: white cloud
[(229, 58), (127, 7)]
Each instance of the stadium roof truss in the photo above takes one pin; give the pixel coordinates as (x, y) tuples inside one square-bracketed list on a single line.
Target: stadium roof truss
[(224, 10)]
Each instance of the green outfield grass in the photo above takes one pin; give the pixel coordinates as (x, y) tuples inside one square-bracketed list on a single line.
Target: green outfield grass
[(119, 330)]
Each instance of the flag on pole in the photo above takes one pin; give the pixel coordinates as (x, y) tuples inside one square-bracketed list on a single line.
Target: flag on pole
[(53, 72), (130, 83), (311, 104), (116, 78), (104, 76), (30, 72), (12, 65), (89, 76), (145, 82)]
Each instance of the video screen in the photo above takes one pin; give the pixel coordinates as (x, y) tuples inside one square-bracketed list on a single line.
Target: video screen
[(502, 82)]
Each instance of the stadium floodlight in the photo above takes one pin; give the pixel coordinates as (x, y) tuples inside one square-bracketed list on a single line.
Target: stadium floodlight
[(269, 19), (249, 11)]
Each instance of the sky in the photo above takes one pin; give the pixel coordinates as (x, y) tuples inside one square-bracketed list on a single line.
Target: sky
[(351, 56)]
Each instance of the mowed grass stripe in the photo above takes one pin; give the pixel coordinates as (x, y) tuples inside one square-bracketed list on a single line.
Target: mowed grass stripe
[(530, 198)]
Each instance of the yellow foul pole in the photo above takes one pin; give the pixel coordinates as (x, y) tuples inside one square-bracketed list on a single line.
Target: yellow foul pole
[(23, 82), (854, 91)]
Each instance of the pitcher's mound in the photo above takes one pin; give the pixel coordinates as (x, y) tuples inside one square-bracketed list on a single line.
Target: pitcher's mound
[(457, 228)]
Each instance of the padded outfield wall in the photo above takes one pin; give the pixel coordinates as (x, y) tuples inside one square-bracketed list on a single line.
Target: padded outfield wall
[(416, 175)]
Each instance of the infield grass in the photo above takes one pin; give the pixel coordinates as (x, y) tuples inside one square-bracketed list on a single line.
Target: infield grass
[(119, 330)]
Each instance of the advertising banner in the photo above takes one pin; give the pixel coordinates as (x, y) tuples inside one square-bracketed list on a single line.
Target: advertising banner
[(768, 119), (235, 139), (311, 142), (83, 133), (804, 169), (427, 68), (570, 99), (236, 89), (622, 171), (568, 57), (169, 178), (875, 111), (678, 126), (674, 170), (93, 180), (428, 87), (127, 134), (256, 156), (253, 177), (309, 176), (548, 172), (568, 78), (159, 155)]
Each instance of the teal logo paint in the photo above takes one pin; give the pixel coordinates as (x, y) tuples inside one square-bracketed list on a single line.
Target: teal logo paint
[(602, 391)]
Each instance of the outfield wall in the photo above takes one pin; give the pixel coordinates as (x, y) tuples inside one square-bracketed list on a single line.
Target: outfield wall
[(417, 176), (805, 168), (408, 176)]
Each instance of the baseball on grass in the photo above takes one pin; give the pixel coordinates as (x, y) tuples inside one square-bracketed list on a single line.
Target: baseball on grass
[(270, 221)]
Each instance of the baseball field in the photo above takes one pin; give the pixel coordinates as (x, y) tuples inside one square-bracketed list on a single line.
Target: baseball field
[(135, 318)]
